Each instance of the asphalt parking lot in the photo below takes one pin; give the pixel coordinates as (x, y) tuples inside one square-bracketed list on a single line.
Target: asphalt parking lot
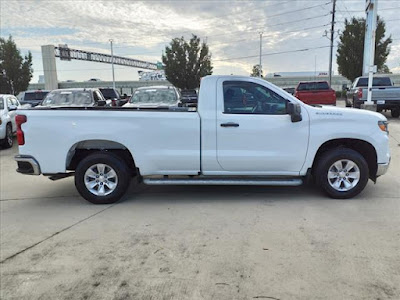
[(199, 242)]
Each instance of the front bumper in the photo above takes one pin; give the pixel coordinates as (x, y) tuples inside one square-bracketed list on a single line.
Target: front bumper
[(27, 165), (382, 169)]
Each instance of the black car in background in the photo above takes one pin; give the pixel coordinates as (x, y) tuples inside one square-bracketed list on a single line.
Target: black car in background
[(113, 95), (32, 97), (189, 97)]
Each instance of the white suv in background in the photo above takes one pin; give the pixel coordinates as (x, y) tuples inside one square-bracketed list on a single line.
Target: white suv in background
[(8, 106)]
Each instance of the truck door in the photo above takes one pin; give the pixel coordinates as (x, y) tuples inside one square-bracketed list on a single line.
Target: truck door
[(255, 135)]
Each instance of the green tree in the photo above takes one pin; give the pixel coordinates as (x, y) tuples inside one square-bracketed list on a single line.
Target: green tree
[(257, 71), (350, 51), (186, 62), (15, 70), (384, 70)]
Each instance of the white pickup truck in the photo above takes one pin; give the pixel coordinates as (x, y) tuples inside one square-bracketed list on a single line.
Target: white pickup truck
[(245, 131)]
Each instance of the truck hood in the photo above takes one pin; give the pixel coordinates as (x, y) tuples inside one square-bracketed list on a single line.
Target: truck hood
[(329, 112)]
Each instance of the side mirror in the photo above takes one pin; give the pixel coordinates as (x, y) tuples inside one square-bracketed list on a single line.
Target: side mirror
[(12, 107), (101, 103), (294, 110)]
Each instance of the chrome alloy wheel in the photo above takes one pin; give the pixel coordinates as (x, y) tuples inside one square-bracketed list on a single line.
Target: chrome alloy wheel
[(101, 179), (343, 175)]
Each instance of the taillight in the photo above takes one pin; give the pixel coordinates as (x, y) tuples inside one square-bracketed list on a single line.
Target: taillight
[(20, 119), (359, 93)]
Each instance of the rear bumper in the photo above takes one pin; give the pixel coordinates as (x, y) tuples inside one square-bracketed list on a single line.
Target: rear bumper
[(390, 104), (27, 165)]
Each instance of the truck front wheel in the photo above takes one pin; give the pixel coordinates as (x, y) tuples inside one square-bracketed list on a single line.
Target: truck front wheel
[(342, 173), (102, 178)]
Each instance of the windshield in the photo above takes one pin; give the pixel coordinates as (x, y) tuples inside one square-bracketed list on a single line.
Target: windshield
[(35, 95), (154, 96), (110, 94), (68, 98), (377, 81), (313, 86), (1, 103)]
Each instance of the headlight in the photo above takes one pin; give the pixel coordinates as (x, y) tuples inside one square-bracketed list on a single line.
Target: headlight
[(383, 125)]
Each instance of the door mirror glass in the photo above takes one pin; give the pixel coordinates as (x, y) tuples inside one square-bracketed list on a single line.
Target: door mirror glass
[(294, 110)]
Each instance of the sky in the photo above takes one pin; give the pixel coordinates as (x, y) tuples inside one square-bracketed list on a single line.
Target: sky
[(294, 32)]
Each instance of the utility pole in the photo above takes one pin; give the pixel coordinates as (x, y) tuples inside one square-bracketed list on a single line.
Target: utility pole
[(369, 49), (260, 66), (331, 48), (112, 62)]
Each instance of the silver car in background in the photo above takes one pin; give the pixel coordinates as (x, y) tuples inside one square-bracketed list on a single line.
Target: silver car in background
[(154, 97), (75, 98)]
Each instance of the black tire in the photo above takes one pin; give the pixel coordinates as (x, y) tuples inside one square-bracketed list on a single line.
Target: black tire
[(8, 141), (395, 112), (116, 163), (325, 162)]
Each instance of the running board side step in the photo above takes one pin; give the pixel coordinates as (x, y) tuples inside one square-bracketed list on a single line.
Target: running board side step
[(223, 181)]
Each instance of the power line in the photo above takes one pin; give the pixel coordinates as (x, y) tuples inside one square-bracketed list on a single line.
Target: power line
[(273, 34), (255, 30), (380, 9), (273, 25), (273, 53)]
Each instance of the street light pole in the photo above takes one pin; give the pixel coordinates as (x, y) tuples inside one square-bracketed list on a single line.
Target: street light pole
[(331, 46), (260, 66), (112, 62), (369, 68)]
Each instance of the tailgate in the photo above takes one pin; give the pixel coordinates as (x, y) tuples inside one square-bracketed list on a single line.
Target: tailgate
[(384, 93), (317, 97)]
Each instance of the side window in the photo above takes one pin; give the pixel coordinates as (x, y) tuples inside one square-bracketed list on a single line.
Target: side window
[(14, 101), (96, 96), (241, 97), (9, 103)]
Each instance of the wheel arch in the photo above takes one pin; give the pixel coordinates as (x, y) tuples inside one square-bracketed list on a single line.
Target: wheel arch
[(82, 149), (366, 149)]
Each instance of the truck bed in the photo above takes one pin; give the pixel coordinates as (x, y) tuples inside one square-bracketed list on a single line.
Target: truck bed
[(156, 138)]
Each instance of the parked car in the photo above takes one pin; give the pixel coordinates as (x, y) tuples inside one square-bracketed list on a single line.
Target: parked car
[(154, 97), (189, 97), (315, 92), (75, 97), (8, 106), (113, 95), (246, 131), (32, 97), (384, 94), (94, 79)]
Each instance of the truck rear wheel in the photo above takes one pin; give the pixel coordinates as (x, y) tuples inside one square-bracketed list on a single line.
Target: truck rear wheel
[(102, 178), (395, 112), (342, 173), (8, 139)]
